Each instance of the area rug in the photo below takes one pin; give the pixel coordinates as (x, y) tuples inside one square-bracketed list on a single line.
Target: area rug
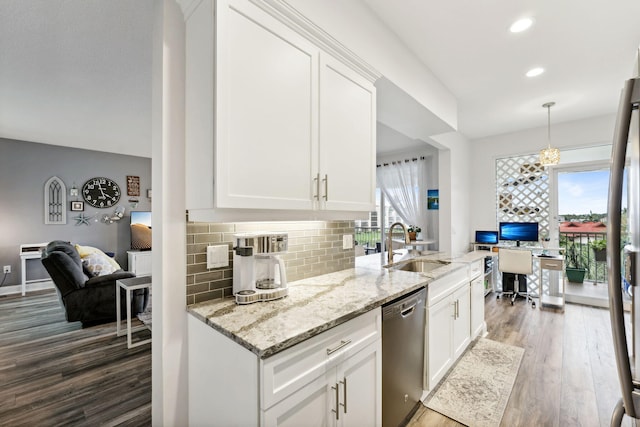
[(476, 390)]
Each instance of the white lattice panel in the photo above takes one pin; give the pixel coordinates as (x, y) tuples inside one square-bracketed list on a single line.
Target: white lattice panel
[(522, 195)]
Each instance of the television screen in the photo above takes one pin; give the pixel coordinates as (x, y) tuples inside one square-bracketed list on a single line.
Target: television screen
[(141, 230), (519, 231), (487, 237)]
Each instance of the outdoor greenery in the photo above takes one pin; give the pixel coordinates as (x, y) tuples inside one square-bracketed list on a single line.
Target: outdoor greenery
[(574, 258), (599, 245)]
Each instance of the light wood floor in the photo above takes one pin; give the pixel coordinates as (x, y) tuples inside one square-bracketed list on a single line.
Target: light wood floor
[(55, 373), (567, 376)]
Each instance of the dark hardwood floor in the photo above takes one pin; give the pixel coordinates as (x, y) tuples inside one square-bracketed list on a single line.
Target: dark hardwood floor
[(567, 376), (54, 373)]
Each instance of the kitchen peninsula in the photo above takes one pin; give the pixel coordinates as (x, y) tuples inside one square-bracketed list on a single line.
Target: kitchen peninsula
[(274, 363)]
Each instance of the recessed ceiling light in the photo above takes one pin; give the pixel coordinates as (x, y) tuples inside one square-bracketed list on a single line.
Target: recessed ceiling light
[(521, 25), (535, 72)]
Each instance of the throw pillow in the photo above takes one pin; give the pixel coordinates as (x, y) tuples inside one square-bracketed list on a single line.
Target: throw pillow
[(97, 264), (87, 250)]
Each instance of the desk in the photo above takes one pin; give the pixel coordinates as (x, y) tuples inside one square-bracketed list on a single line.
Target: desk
[(130, 285), (553, 266), (29, 251)]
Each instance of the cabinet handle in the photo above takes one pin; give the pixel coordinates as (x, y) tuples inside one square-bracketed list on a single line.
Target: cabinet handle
[(338, 347), (337, 399), (317, 181), (326, 187), (344, 390), (457, 306)]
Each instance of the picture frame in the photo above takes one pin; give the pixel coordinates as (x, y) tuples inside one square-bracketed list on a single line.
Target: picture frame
[(77, 206), (133, 185), (433, 200)]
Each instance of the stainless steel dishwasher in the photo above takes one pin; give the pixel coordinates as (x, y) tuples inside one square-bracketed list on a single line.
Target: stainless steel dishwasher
[(403, 328)]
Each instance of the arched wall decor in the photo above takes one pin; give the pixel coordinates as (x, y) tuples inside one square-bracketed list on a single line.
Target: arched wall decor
[(55, 201)]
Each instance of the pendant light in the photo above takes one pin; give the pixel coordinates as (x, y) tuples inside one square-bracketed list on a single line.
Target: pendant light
[(549, 156)]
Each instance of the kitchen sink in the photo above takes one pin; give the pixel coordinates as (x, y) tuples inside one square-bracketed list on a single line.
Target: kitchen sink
[(417, 265)]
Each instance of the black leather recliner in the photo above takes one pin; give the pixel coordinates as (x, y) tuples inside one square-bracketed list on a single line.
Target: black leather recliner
[(88, 300)]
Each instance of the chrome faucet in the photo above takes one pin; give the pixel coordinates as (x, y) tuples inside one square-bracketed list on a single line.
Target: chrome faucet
[(407, 240)]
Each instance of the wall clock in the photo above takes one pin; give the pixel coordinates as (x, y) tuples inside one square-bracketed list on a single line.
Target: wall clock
[(101, 192)]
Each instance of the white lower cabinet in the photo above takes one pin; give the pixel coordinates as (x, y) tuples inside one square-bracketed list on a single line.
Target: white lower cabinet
[(331, 379), (346, 395), (448, 324)]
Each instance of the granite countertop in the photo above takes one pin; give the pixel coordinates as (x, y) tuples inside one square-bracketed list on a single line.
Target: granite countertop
[(317, 304)]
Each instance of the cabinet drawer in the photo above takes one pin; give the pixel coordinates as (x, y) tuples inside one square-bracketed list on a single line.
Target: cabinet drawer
[(441, 288), (476, 268), (290, 370), (551, 264)]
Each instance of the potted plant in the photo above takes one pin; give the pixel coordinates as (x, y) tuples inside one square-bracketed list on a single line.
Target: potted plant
[(575, 273), (599, 249), (413, 231)]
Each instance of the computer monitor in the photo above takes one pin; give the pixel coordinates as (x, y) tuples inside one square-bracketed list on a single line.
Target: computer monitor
[(141, 230), (487, 237), (519, 232)]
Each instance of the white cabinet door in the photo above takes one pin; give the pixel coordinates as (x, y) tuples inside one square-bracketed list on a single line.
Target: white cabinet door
[(347, 138), (477, 307), (310, 406), (266, 111), (462, 321), (439, 339), (359, 379)]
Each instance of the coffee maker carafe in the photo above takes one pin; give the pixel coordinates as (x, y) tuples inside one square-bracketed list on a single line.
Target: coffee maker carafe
[(258, 269)]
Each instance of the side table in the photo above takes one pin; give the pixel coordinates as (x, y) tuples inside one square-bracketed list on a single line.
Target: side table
[(30, 251), (555, 267), (129, 285)]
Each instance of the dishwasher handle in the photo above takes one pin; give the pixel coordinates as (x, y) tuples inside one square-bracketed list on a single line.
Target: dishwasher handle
[(408, 311)]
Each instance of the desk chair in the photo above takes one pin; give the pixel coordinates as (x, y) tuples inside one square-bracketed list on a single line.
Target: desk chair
[(520, 263)]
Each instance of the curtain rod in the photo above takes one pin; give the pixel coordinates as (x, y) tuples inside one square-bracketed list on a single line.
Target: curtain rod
[(397, 162)]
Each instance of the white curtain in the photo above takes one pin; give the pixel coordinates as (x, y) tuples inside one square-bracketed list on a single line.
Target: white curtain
[(402, 183)]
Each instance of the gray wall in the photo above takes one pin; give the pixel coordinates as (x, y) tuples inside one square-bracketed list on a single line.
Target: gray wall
[(26, 166)]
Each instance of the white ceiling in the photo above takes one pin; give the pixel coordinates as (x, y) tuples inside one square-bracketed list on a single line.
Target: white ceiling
[(588, 48), (78, 72)]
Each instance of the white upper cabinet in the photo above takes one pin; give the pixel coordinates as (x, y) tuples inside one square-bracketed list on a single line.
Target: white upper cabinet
[(347, 137), (274, 123)]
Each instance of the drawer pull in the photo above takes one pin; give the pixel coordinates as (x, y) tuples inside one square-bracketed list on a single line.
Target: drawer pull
[(338, 347)]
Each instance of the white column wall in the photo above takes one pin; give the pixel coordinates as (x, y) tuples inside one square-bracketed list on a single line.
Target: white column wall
[(455, 175), (169, 335), (590, 132)]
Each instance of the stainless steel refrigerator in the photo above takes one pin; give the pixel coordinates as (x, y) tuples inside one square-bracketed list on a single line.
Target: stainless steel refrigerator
[(622, 265)]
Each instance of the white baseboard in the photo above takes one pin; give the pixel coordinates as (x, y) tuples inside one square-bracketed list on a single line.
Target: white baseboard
[(17, 289)]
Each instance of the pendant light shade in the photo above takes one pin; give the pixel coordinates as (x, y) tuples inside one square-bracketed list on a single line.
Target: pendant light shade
[(549, 156)]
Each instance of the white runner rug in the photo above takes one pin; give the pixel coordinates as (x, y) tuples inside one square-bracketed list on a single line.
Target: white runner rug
[(476, 390)]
